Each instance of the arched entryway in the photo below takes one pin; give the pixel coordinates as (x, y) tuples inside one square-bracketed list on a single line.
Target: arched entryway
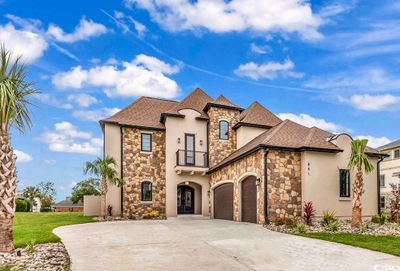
[(223, 201), (249, 199), (186, 198)]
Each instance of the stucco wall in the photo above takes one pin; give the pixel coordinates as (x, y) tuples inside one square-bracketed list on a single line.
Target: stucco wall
[(91, 205), (245, 134), (176, 128), (320, 175), (388, 167), (112, 147)]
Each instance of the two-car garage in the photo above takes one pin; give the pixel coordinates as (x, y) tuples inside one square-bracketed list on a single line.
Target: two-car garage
[(224, 200)]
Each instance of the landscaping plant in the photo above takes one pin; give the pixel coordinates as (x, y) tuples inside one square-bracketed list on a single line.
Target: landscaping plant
[(301, 228), (309, 212), (360, 161), (15, 95), (395, 203), (381, 218), (328, 218)]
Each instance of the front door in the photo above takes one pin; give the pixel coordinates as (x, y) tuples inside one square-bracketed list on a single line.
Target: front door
[(189, 149), (185, 200)]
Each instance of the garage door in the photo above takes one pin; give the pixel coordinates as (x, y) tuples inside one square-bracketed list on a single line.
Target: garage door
[(249, 200), (223, 201)]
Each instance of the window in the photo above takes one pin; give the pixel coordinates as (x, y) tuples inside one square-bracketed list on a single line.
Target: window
[(146, 142), (397, 154), (344, 176), (382, 180), (223, 129), (146, 191), (382, 202)]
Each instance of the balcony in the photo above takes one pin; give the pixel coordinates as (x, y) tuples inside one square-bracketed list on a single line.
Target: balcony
[(191, 161)]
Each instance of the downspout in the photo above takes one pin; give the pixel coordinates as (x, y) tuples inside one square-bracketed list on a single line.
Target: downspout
[(266, 186), (378, 173), (122, 166)]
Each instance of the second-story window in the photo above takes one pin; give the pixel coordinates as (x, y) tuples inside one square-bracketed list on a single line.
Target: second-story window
[(145, 142), (397, 154), (382, 180), (223, 129)]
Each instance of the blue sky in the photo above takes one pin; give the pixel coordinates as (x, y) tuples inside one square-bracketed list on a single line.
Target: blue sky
[(332, 64)]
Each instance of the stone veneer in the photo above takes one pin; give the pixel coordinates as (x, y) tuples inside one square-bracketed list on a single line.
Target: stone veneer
[(253, 163), (284, 184), (140, 166), (219, 149)]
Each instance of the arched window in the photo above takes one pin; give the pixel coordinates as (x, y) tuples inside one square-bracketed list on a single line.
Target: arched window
[(147, 191), (223, 129)]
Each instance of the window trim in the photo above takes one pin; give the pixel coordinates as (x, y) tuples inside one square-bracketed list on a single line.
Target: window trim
[(141, 142), (344, 196), (227, 129), (394, 154), (142, 191)]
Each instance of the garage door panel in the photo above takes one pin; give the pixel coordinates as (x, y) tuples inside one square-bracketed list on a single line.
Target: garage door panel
[(223, 202), (249, 200)]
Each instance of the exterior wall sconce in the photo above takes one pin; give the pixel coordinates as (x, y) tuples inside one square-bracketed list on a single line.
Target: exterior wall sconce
[(209, 192), (258, 181), (186, 183), (201, 142), (179, 140)]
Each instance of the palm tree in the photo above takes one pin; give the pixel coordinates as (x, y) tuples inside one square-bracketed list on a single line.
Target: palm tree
[(359, 160), (104, 170), (15, 95), (30, 193)]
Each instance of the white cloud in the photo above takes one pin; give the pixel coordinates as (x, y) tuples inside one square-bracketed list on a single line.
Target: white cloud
[(368, 102), (50, 162), (375, 142), (25, 43), (139, 27), (85, 30), (145, 75), (260, 49), (72, 184), (269, 70), (95, 115), (22, 157), (53, 101), (67, 138), (310, 121), (82, 99), (287, 16)]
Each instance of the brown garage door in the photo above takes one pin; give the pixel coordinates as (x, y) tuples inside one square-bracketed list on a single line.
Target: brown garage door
[(223, 201), (249, 200)]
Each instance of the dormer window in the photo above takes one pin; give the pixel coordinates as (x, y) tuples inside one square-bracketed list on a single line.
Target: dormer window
[(224, 130)]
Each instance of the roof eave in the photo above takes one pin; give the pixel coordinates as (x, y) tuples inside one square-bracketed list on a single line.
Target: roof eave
[(208, 105), (239, 124)]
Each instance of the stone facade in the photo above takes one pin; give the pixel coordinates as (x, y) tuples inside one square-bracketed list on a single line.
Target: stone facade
[(219, 149), (140, 166), (284, 184), (236, 172)]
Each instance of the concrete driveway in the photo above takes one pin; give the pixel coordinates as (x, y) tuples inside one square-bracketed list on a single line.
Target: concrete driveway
[(195, 243)]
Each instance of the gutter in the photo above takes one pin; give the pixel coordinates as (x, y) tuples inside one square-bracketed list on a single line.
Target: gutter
[(122, 166), (378, 177), (266, 219)]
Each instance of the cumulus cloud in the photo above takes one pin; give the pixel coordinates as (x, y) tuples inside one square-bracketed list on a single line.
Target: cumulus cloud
[(373, 141), (287, 16), (310, 121), (22, 157), (53, 101), (269, 70), (67, 138), (82, 99), (25, 43), (95, 115), (49, 162), (144, 75), (260, 49), (368, 102), (83, 31)]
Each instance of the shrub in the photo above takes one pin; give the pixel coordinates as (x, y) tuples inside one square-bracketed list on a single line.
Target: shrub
[(332, 225), (22, 205), (6, 267), (109, 210), (395, 203), (31, 247), (309, 212), (381, 218), (288, 222), (301, 228), (328, 218), (46, 210), (154, 214)]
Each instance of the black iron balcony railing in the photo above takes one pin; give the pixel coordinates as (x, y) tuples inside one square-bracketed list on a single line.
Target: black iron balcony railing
[(191, 158)]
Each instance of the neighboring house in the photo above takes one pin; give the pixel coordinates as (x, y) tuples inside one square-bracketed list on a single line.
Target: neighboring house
[(67, 206), (212, 157), (36, 204), (389, 171)]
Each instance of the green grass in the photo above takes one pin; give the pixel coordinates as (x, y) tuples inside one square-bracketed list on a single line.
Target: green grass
[(38, 227), (385, 244)]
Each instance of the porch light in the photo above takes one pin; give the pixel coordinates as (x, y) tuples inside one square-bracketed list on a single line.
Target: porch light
[(179, 140), (186, 183), (258, 181), (201, 142)]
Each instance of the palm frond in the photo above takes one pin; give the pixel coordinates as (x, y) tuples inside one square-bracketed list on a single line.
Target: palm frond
[(358, 158)]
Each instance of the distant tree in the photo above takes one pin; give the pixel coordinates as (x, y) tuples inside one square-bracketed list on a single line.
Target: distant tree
[(87, 187), (47, 192), (30, 193)]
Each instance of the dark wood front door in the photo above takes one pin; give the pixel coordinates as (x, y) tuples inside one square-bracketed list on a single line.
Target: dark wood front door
[(185, 200), (249, 200), (223, 201)]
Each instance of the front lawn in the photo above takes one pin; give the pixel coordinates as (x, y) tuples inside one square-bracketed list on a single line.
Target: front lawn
[(38, 227), (385, 244)]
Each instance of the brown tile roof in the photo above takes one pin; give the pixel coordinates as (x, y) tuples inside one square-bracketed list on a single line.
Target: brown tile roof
[(257, 115), (144, 112), (224, 101), (221, 101)]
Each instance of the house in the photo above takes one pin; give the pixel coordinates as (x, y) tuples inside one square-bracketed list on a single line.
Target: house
[(212, 157), (36, 204), (67, 206), (389, 171)]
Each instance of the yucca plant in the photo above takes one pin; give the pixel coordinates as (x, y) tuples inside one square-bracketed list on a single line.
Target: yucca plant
[(359, 160), (15, 95)]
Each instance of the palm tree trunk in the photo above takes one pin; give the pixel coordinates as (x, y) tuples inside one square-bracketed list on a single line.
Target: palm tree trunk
[(8, 183), (357, 192), (103, 197)]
